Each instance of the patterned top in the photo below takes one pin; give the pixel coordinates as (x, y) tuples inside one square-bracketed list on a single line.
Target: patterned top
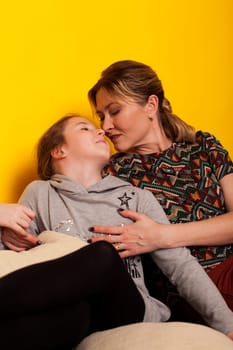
[(185, 180)]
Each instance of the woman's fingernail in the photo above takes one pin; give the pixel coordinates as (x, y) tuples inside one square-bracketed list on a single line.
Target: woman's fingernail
[(91, 229), (38, 243), (89, 240), (120, 209)]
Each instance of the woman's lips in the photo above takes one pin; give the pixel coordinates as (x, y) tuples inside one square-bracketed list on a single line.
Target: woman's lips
[(114, 138)]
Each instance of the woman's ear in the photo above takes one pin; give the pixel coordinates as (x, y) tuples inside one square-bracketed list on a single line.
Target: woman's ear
[(58, 153), (152, 105)]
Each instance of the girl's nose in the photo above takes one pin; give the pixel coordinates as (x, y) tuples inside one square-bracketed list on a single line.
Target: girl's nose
[(100, 132)]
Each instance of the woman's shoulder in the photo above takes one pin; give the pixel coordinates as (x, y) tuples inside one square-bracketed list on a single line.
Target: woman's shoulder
[(207, 139)]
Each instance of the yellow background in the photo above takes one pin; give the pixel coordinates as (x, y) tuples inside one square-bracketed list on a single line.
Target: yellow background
[(52, 52)]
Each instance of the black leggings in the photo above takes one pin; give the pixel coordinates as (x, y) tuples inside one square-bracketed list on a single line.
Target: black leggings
[(53, 305)]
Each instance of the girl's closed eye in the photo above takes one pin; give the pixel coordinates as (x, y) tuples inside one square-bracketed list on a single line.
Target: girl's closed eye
[(87, 127)]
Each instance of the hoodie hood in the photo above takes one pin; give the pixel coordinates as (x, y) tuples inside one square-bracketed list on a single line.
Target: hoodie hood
[(72, 188)]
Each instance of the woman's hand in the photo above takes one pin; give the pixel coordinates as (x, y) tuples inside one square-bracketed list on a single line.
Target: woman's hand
[(16, 219), (143, 236)]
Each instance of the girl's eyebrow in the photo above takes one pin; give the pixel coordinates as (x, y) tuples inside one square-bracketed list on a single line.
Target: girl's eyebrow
[(83, 123)]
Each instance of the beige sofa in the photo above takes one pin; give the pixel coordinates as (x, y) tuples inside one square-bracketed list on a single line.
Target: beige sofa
[(158, 336), (140, 336)]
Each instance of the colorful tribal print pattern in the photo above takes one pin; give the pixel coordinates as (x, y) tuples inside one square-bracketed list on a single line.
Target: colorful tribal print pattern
[(185, 181)]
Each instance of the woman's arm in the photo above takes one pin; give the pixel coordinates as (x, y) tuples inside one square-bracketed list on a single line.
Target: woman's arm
[(145, 235)]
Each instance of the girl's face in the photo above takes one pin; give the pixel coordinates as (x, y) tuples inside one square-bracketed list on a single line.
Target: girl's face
[(127, 123), (84, 141)]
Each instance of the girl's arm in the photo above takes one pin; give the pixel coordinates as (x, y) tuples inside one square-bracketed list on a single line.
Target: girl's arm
[(193, 283)]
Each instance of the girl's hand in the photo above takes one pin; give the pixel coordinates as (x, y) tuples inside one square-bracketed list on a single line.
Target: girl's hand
[(18, 241), (230, 335), (15, 220), (15, 216)]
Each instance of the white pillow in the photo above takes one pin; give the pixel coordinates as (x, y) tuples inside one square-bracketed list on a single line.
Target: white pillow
[(157, 336), (54, 245)]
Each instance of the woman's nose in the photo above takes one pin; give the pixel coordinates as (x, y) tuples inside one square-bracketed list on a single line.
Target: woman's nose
[(106, 124)]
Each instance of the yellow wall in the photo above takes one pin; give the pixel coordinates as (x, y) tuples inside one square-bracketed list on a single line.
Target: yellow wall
[(52, 52)]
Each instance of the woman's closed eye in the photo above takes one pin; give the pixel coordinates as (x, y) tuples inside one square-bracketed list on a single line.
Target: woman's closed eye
[(114, 112)]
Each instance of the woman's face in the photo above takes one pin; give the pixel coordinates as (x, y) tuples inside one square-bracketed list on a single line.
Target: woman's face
[(84, 141), (125, 122)]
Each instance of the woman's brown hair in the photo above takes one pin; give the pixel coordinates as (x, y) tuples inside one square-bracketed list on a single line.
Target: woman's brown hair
[(130, 79)]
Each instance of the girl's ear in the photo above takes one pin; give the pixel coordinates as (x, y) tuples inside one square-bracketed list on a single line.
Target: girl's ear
[(58, 153), (152, 105)]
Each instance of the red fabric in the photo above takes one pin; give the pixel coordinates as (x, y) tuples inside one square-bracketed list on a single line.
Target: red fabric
[(222, 276)]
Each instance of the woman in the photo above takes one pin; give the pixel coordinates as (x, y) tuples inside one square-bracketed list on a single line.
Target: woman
[(189, 173), (72, 195)]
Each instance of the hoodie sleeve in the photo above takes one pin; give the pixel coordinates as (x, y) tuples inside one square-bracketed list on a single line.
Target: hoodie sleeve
[(184, 271)]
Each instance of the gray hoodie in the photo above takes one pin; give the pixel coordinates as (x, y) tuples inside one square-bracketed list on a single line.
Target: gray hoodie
[(66, 206)]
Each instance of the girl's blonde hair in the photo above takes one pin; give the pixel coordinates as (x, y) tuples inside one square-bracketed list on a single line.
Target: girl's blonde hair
[(52, 138)]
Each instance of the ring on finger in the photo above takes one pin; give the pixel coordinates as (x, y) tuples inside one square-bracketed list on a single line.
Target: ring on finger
[(117, 246)]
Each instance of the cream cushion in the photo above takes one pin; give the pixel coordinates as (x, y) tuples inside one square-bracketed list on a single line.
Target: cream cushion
[(157, 336), (54, 245)]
